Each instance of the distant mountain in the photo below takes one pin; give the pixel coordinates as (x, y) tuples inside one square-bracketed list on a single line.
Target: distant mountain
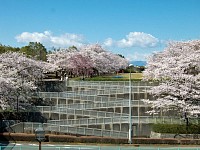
[(139, 63)]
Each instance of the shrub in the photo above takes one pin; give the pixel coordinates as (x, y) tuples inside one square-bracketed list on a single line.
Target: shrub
[(17, 137), (176, 128), (189, 142), (86, 139), (154, 141)]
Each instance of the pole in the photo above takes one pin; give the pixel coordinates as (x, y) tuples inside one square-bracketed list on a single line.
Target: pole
[(130, 112), (39, 145), (138, 128), (17, 104)]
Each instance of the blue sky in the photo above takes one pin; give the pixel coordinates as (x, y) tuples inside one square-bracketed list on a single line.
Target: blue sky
[(133, 28)]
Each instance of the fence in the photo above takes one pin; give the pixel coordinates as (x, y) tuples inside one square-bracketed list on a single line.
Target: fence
[(30, 127), (64, 110), (98, 105), (116, 120), (110, 83), (96, 91)]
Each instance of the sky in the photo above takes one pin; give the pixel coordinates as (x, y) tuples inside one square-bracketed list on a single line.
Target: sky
[(133, 28)]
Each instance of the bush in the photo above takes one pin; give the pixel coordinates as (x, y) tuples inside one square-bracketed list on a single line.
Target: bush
[(190, 142), (93, 139), (62, 138), (17, 137), (86, 139), (154, 141), (176, 128)]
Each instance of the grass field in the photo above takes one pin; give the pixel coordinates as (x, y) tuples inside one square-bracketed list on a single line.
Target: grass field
[(133, 75), (117, 77)]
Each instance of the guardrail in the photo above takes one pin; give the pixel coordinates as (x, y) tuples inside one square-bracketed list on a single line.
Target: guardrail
[(97, 90), (64, 110), (30, 126), (98, 105), (114, 120), (82, 97), (111, 83)]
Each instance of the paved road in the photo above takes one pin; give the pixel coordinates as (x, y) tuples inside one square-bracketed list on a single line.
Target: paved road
[(27, 146)]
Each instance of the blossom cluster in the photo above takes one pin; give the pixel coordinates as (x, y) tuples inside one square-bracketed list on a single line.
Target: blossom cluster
[(177, 68)]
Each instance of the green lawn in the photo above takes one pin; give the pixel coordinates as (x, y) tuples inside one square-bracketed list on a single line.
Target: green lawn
[(117, 77), (133, 75)]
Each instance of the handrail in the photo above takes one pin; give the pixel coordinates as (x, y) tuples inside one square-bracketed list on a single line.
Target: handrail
[(111, 83), (64, 110), (98, 105), (30, 126), (112, 120)]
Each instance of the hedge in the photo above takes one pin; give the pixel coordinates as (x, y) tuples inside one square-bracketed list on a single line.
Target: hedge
[(17, 137), (155, 141), (92, 139), (86, 139), (176, 128)]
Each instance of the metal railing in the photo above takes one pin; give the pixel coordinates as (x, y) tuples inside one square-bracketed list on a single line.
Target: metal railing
[(110, 83), (100, 90), (97, 105), (82, 97), (115, 120), (64, 110), (94, 95), (30, 126)]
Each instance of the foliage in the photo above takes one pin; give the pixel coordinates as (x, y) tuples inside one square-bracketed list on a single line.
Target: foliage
[(134, 69), (121, 55), (87, 60), (35, 50), (86, 139), (176, 128), (4, 49), (18, 78), (177, 68), (156, 141)]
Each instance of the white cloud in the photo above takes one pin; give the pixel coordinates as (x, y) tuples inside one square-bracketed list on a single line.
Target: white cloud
[(137, 56), (49, 39), (133, 39), (108, 42)]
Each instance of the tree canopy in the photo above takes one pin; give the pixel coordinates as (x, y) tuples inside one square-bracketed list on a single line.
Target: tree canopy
[(177, 68), (35, 50), (86, 59), (21, 68), (18, 77), (4, 48)]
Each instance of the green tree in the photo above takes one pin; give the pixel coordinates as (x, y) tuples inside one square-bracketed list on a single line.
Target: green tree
[(4, 49), (121, 55), (35, 50)]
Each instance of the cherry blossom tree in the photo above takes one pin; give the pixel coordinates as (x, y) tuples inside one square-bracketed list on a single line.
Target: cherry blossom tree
[(18, 77), (71, 61), (103, 61), (80, 64), (177, 69), (86, 59)]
